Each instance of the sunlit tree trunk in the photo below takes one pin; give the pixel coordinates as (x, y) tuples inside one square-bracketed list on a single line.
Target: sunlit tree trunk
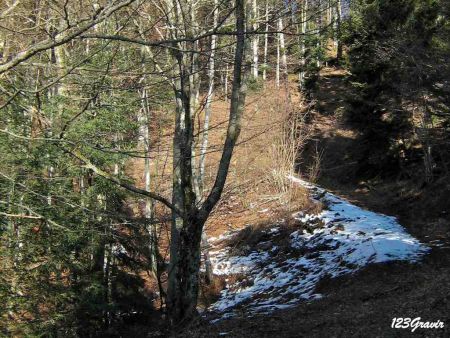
[(187, 219), (282, 50), (225, 83), (277, 69), (144, 140), (205, 134), (255, 40), (266, 40), (318, 29), (194, 88), (303, 25), (209, 99)]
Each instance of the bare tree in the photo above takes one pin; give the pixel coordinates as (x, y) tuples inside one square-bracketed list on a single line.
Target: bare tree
[(255, 39)]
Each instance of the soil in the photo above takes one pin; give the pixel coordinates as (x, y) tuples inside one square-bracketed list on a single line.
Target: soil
[(363, 305)]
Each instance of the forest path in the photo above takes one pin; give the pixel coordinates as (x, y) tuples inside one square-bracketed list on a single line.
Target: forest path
[(363, 303), (284, 265), (422, 211)]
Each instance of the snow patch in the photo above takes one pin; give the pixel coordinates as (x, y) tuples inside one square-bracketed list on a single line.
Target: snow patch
[(347, 239)]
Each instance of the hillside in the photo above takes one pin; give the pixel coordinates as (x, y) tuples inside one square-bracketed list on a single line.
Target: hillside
[(204, 168), (362, 303)]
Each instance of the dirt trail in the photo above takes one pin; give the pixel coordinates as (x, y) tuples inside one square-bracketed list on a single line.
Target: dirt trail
[(363, 304), (423, 211), (357, 305)]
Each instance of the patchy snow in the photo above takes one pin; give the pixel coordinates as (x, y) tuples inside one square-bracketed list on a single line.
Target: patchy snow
[(344, 239)]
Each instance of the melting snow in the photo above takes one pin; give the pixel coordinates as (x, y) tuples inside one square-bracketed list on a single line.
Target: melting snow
[(349, 239)]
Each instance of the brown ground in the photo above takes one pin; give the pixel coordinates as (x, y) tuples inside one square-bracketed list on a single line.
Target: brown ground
[(360, 305), (249, 188), (364, 304), (250, 185)]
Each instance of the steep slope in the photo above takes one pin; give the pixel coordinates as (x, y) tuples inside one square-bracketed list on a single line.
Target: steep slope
[(340, 240)]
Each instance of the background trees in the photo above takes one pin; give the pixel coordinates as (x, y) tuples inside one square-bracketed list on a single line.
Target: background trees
[(394, 48), (106, 110), (87, 91)]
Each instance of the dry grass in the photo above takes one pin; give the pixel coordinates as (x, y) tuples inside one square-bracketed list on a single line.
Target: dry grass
[(365, 302), (273, 135), (210, 292)]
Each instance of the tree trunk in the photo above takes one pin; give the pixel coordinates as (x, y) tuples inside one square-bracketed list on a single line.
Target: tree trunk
[(204, 145), (187, 219), (194, 90), (266, 41), (255, 40), (303, 25), (144, 140), (176, 292), (338, 30), (183, 293), (318, 29), (184, 254), (225, 84), (277, 71), (209, 99), (282, 51)]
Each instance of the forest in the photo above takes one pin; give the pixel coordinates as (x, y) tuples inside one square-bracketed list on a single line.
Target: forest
[(237, 168)]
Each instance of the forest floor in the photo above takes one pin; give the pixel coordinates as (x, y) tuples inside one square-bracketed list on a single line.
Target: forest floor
[(363, 304)]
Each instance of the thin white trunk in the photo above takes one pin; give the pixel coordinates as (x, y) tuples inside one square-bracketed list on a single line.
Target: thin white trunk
[(255, 40), (204, 145), (318, 29), (225, 83), (337, 40), (266, 41), (108, 264), (282, 51), (144, 137), (117, 164), (303, 25), (277, 71), (209, 98)]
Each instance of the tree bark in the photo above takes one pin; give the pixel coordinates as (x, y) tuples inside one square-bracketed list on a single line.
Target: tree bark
[(282, 50), (277, 70), (187, 228), (338, 30), (204, 145), (209, 99), (225, 84), (255, 40), (303, 25), (266, 41), (184, 264)]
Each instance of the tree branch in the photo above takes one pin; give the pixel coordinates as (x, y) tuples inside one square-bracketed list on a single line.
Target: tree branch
[(236, 109), (116, 180), (60, 40)]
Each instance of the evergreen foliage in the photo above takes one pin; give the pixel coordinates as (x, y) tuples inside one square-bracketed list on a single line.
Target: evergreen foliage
[(395, 54)]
